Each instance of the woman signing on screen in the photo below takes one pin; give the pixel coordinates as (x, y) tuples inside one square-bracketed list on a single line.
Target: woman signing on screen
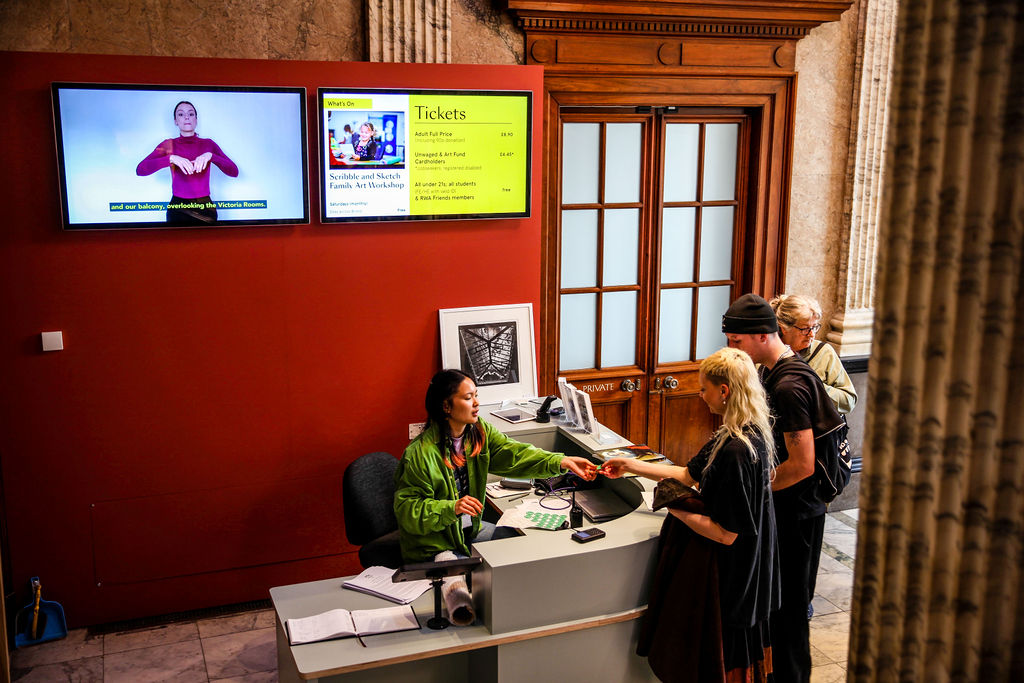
[(733, 471), (365, 146), (189, 157), (440, 480)]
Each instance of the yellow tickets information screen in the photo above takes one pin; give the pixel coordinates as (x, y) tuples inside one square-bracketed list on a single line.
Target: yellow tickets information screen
[(425, 154)]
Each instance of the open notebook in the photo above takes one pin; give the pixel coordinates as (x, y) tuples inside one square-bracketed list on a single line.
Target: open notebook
[(342, 623)]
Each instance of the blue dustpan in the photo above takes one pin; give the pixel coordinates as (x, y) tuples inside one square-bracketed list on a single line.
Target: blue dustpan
[(45, 617)]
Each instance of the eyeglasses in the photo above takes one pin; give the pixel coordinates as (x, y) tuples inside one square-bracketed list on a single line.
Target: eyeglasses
[(805, 330)]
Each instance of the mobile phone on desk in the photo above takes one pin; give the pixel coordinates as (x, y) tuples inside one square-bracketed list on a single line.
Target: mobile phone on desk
[(585, 535)]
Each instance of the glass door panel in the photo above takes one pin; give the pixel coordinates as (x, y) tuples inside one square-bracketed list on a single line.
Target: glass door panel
[(579, 248), (678, 238), (712, 302), (674, 325), (577, 330), (618, 329), (716, 243), (581, 147), (622, 163), (682, 141), (621, 245), (720, 146)]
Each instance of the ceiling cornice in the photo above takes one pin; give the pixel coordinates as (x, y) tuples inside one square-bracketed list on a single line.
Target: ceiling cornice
[(733, 18)]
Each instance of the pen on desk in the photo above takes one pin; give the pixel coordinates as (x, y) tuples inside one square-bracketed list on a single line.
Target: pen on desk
[(520, 495)]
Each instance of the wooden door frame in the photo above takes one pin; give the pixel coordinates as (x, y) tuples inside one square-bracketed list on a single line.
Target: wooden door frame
[(673, 53)]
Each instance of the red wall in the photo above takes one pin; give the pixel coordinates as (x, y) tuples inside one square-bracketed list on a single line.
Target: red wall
[(186, 447)]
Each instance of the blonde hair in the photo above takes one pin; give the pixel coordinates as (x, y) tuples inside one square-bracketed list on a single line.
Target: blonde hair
[(747, 406), (791, 307)]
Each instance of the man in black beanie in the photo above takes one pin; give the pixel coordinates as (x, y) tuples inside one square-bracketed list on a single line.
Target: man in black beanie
[(801, 409)]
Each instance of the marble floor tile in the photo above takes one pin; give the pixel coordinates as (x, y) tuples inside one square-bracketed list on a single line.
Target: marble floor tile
[(829, 565), (847, 517), (247, 621), (238, 654), (836, 587), (830, 633), (150, 637), (823, 606), (818, 658), (77, 645), (828, 673), (78, 671), (179, 662), (840, 536)]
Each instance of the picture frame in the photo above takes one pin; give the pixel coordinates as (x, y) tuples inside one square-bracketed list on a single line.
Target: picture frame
[(494, 345), (565, 391), (585, 409)]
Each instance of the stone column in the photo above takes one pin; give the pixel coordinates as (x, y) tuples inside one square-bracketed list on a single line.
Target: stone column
[(409, 31), (851, 326)]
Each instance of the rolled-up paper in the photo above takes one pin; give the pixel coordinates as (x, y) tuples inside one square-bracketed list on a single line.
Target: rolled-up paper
[(457, 598)]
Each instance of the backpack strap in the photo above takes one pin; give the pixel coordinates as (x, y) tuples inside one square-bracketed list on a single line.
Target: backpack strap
[(815, 351)]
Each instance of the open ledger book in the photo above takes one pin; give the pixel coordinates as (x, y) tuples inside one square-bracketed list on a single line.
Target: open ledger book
[(342, 623)]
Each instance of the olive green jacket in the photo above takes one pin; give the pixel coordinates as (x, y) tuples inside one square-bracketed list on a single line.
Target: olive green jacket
[(425, 488)]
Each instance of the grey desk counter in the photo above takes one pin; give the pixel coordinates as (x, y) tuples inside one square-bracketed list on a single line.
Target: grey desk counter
[(548, 608)]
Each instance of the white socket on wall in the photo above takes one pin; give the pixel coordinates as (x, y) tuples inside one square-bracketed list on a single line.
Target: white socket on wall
[(53, 341)]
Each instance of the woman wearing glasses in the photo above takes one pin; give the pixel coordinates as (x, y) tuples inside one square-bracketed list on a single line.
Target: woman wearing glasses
[(799, 320)]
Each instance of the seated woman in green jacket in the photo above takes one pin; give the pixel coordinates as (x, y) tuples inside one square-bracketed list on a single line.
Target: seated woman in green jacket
[(439, 484)]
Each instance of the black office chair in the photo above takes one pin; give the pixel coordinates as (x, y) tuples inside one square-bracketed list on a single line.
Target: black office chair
[(367, 496)]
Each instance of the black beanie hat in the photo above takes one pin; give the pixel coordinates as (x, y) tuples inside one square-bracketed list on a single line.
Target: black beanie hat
[(750, 314)]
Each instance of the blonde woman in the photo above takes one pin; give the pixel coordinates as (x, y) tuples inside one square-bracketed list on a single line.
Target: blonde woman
[(733, 472), (799, 320)]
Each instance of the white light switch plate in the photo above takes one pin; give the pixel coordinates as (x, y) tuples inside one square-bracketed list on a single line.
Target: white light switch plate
[(53, 341)]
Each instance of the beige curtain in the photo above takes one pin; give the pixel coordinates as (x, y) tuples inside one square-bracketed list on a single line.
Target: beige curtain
[(938, 594)]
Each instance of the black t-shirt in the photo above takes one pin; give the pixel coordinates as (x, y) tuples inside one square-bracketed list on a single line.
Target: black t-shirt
[(798, 401), (737, 495)]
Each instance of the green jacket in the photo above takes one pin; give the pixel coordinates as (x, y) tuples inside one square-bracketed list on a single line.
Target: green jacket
[(425, 489)]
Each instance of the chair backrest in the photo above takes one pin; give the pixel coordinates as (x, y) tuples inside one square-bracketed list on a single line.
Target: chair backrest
[(367, 496)]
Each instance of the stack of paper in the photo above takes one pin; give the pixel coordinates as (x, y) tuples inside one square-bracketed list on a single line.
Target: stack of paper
[(377, 581)]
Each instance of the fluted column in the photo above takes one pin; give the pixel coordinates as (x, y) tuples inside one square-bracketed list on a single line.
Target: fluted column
[(409, 30), (851, 325), (939, 582)]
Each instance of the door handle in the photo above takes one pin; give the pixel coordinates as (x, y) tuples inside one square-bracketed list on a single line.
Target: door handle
[(629, 385), (671, 382)]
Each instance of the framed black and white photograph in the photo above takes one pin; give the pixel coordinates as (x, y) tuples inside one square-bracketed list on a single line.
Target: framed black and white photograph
[(588, 422), (494, 345), (566, 391)]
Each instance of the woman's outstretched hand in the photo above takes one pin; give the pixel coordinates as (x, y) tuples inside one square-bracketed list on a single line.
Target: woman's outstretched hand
[(615, 467), (581, 467), (468, 505)]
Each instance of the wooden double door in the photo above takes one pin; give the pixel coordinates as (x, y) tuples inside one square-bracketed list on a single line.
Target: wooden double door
[(652, 209)]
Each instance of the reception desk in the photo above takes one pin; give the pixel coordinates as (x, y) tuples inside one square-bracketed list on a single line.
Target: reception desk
[(548, 608)]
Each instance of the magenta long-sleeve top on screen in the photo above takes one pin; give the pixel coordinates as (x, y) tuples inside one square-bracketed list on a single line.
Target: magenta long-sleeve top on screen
[(182, 185)]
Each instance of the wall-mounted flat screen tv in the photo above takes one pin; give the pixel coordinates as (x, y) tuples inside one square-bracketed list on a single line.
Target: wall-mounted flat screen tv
[(161, 156), (391, 155)]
